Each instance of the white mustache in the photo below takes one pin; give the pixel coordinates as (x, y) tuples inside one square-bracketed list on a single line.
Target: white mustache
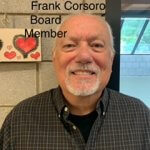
[(83, 67)]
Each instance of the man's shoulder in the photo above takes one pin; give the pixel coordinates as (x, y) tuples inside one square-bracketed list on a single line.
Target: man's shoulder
[(30, 112), (126, 102)]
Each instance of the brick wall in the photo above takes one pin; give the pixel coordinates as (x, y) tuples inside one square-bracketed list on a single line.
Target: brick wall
[(19, 81)]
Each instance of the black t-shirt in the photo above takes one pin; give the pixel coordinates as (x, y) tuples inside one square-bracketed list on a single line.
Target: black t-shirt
[(84, 123)]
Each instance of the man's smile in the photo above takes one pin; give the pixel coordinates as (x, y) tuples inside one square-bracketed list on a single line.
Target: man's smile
[(83, 72)]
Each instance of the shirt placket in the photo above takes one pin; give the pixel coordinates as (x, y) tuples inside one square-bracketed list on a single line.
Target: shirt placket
[(77, 138)]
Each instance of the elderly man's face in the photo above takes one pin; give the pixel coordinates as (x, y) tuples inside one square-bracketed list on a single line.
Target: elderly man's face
[(83, 59)]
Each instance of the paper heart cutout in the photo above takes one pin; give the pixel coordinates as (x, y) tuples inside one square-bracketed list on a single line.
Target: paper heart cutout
[(10, 55), (25, 45), (35, 55)]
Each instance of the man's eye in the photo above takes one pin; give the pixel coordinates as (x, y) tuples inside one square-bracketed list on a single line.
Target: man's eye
[(69, 45), (97, 45)]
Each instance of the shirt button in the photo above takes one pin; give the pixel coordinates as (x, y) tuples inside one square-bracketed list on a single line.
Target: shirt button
[(59, 116), (65, 109), (74, 127), (103, 113)]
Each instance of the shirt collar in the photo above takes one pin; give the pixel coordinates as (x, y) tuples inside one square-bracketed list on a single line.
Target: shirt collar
[(59, 101), (103, 102)]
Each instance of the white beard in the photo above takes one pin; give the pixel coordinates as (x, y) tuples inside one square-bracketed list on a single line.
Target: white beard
[(85, 89)]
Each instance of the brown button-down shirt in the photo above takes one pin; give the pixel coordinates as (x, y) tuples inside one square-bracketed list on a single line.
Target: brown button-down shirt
[(41, 123)]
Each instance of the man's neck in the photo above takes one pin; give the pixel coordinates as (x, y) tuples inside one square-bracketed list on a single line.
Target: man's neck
[(82, 105)]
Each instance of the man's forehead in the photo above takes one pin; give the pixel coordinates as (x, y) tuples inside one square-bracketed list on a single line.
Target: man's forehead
[(87, 33), (83, 17), (83, 23), (80, 36), (82, 20)]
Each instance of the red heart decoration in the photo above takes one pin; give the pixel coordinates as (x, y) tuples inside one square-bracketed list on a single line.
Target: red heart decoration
[(36, 55), (10, 55), (26, 45)]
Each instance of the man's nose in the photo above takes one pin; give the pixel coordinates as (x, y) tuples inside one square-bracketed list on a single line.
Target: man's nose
[(84, 55)]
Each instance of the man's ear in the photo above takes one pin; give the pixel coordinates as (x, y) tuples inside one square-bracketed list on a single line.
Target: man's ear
[(113, 55), (53, 55), (112, 58)]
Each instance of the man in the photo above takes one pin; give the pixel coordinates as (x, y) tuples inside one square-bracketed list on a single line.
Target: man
[(81, 114)]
